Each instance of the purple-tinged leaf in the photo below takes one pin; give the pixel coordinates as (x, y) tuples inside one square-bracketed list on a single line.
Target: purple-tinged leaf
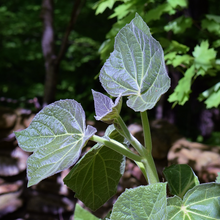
[(106, 110)]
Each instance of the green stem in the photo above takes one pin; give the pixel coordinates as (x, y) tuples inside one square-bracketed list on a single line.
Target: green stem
[(146, 131), (117, 146), (148, 161), (142, 168), (123, 130), (147, 165), (151, 170)]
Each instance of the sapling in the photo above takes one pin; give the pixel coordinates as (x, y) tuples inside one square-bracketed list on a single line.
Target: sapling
[(58, 133)]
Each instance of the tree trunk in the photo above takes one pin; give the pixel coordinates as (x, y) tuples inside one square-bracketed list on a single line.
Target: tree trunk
[(48, 52), (52, 62)]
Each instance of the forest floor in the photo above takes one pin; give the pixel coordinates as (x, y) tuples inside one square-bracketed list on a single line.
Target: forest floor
[(52, 200)]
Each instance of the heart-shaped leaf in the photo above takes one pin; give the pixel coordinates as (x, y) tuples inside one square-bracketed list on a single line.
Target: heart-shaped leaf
[(144, 202), (106, 110), (180, 179), (136, 67), (56, 135), (95, 177), (201, 202)]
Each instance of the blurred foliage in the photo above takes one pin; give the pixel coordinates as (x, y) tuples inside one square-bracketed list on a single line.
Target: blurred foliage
[(20, 46), (22, 69), (190, 40), (188, 33), (214, 139)]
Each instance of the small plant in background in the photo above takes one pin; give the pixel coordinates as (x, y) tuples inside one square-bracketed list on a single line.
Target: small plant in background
[(58, 133)]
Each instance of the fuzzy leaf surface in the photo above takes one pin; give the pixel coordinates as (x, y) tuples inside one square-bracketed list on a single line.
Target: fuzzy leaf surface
[(56, 136), (106, 110), (200, 203), (180, 179), (136, 67), (144, 202), (95, 177)]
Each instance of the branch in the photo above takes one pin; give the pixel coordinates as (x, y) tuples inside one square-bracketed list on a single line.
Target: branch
[(74, 16)]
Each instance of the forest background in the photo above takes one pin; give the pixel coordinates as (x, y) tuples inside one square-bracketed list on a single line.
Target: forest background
[(52, 50)]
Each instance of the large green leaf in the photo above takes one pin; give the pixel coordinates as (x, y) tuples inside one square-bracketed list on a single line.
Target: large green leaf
[(200, 203), (56, 135), (95, 177), (180, 179), (136, 67), (142, 203)]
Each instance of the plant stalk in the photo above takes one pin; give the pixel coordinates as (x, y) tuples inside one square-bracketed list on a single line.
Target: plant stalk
[(123, 130), (151, 170), (116, 146), (146, 132), (148, 168), (148, 160)]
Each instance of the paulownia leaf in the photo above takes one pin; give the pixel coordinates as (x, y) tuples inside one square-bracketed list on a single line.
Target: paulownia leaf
[(142, 203), (95, 177), (201, 202), (105, 109), (136, 67), (56, 135), (180, 179), (108, 46)]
